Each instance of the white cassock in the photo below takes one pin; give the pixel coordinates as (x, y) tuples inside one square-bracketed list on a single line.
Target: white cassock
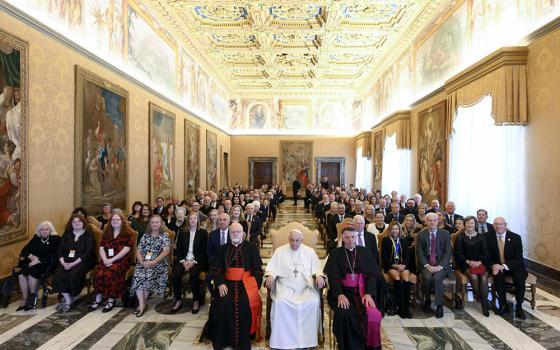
[(296, 308)]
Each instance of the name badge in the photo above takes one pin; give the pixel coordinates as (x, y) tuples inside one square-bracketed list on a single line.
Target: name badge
[(111, 252), (148, 256), (71, 253)]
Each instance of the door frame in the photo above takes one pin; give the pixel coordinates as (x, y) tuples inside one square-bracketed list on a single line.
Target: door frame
[(253, 160), (320, 160)]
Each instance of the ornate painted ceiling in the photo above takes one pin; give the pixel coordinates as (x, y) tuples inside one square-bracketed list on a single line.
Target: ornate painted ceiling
[(260, 48)]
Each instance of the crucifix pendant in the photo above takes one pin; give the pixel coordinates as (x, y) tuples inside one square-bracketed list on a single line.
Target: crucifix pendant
[(353, 277), (295, 272)]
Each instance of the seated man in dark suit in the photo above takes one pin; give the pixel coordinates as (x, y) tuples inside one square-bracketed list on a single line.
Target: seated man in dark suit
[(394, 215), (218, 237), (367, 239), (433, 251), (332, 232), (382, 207), (254, 223), (506, 258), (482, 225), (450, 215)]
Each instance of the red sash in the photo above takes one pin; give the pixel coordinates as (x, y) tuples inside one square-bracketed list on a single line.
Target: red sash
[(255, 302), (373, 328)]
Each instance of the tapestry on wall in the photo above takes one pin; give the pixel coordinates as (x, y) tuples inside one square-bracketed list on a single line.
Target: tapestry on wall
[(13, 137), (192, 155), (378, 144), (211, 160), (101, 148), (296, 158), (162, 153), (432, 153)]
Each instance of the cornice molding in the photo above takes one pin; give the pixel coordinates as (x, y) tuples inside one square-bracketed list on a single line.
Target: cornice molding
[(395, 117), (506, 56), (21, 16)]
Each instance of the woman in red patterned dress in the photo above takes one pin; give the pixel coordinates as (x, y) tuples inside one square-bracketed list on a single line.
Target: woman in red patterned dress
[(114, 251)]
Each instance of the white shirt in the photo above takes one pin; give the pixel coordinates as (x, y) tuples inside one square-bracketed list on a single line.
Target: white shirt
[(190, 255)]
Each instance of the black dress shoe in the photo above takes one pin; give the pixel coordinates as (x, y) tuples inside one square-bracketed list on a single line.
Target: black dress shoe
[(20, 308), (520, 314), (195, 311), (458, 304), (439, 311), (427, 308), (503, 309)]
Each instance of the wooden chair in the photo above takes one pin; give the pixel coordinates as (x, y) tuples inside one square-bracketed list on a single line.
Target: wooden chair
[(530, 286), (339, 227), (90, 276), (132, 257)]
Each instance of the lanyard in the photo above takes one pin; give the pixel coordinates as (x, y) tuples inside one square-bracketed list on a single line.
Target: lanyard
[(396, 247)]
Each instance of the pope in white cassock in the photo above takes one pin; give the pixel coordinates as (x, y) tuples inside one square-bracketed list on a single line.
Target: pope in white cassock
[(294, 275)]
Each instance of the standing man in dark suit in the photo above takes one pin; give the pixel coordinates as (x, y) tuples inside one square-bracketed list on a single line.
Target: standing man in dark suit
[(450, 215), (506, 259), (433, 251), (308, 197), (159, 209), (296, 185), (332, 232), (367, 239), (482, 225), (254, 223)]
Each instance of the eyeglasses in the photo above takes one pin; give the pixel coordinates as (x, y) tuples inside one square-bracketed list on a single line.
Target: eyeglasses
[(117, 219)]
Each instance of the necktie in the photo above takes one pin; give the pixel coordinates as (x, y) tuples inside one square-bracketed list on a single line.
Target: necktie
[(483, 228), (501, 245), (248, 229), (224, 238), (360, 240), (433, 249)]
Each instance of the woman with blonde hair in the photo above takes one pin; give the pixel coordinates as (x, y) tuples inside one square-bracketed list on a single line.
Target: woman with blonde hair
[(212, 222), (152, 263), (36, 260), (114, 249), (237, 215), (394, 258)]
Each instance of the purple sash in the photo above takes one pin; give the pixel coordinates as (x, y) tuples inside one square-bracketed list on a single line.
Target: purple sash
[(373, 329)]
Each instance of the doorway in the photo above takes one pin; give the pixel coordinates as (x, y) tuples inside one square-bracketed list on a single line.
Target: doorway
[(262, 171), (332, 168)]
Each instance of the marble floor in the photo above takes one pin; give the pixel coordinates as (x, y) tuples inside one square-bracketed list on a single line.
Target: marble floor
[(44, 328)]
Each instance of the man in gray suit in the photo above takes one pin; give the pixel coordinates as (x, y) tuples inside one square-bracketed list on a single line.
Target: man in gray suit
[(433, 251)]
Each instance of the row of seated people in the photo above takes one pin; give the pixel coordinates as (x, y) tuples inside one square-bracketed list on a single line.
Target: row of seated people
[(77, 252)]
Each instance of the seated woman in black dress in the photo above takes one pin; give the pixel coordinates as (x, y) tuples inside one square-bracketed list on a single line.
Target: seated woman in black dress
[(76, 256), (394, 256), (36, 260), (192, 257), (472, 256)]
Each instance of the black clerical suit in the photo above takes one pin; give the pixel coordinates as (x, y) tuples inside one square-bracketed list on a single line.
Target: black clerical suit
[(230, 316), (200, 255), (513, 259), (381, 286)]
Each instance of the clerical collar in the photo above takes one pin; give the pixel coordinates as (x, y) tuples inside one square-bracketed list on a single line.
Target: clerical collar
[(350, 250), (237, 245)]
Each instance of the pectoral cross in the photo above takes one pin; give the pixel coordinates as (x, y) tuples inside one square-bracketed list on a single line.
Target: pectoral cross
[(295, 272), (353, 276)]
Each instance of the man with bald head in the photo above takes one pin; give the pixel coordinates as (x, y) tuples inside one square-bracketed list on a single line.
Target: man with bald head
[(506, 259), (236, 309), (294, 277)]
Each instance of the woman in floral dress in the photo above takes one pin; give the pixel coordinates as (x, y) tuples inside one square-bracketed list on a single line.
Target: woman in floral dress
[(151, 273)]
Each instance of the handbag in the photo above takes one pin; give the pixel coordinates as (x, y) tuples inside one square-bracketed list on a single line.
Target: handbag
[(480, 270)]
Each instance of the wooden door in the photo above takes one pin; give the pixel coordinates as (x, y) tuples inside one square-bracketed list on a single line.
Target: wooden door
[(332, 171), (262, 174)]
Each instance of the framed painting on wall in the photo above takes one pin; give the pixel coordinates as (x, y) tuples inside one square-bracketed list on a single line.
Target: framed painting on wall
[(192, 158), (101, 149), (162, 153), (13, 137), (296, 158), (211, 160), (378, 145), (432, 153)]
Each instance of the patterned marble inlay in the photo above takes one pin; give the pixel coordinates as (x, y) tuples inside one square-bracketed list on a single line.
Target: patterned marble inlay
[(150, 335), (10, 321), (437, 338)]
